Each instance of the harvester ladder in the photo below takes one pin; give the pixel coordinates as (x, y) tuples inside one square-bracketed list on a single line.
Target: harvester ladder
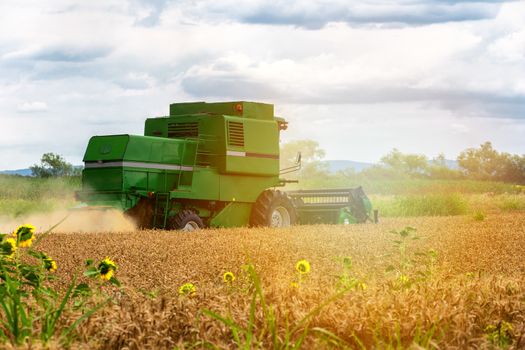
[(160, 216)]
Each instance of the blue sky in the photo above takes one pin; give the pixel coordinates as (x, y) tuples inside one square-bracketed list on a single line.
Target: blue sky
[(360, 77)]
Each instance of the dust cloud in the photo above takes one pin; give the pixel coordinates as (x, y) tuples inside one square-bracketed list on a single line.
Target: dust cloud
[(77, 220)]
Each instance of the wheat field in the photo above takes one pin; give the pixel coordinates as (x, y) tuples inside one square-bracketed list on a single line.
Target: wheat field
[(461, 284)]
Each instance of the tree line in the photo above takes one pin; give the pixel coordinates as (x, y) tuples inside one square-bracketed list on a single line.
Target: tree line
[(482, 163)]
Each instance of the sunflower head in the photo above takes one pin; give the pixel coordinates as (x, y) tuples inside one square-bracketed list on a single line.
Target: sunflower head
[(404, 279), (49, 264), (8, 247), (106, 268), (187, 289), (24, 235), (228, 277), (303, 267)]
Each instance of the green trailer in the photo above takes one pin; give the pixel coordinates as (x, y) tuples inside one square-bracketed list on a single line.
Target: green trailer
[(203, 165)]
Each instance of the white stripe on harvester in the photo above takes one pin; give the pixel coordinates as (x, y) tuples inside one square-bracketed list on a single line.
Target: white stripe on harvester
[(159, 166), (236, 153)]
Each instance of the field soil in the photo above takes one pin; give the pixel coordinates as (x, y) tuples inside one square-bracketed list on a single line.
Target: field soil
[(461, 284)]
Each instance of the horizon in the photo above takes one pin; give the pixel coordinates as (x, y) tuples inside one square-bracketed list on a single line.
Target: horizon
[(357, 162)]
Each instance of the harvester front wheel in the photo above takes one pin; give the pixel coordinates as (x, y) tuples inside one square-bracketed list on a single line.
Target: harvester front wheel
[(273, 209), (186, 220)]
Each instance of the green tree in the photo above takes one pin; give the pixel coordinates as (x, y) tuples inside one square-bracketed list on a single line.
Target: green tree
[(311, 157), (411, 164), (438, 169), (52, 165), (485, 163), (515, 168)]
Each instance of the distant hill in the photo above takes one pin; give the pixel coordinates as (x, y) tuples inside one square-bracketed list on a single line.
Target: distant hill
[(28, 172), (336, 165), (452, 164), (21, 172), (333, 166)]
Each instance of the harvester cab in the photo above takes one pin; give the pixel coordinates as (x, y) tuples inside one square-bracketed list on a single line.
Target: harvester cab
[(205, 164)]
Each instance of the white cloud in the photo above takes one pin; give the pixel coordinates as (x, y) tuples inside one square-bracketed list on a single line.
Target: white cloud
[(32, 107), (510, 47)]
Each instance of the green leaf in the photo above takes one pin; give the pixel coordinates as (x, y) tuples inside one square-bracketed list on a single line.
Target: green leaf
[(114, 281), (92, 271), (82, 289), (66, 334), (38, 255), (333, 339), (32, 278)]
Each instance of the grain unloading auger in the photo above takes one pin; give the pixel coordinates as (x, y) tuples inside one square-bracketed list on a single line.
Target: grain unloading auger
[(207, 165)]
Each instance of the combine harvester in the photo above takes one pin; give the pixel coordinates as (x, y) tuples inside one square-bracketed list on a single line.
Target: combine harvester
[(208, 165)]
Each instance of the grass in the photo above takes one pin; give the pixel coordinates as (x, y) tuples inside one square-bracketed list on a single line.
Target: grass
[(512, 203), (454, 297), (445, 204), (20, 196), (411, 186), (25, 195), (422, 205), (30, 188)]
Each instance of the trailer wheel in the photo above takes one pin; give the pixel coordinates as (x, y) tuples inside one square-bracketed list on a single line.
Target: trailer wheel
[(186, 220), (273, 209)]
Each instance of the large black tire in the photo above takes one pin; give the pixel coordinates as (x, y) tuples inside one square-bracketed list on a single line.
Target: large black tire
[(273, 209), (186, 220)]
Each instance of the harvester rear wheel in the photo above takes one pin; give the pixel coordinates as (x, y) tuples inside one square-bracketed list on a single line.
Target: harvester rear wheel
[(273, 209), (186, 220)]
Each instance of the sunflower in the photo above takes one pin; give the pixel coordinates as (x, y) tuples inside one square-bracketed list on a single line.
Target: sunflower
[(228, 277), (187, 289), (362, 286), (49, 264), (404, 279), (303, 267), (24, 235), (106, 268), (8, 247)]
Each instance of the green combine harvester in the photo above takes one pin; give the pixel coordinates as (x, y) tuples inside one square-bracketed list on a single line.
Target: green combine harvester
[(208, 165)]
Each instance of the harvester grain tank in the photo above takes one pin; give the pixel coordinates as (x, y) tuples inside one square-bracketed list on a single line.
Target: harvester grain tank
[(206, 165)]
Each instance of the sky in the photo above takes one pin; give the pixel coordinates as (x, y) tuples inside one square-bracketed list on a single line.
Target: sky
[(359, 77)]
